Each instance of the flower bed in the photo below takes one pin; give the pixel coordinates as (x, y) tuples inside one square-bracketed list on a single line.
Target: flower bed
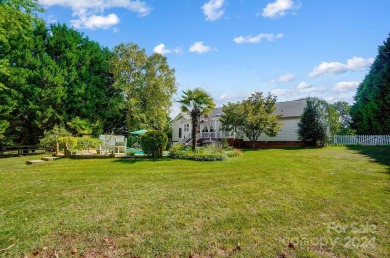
[(209, 153)]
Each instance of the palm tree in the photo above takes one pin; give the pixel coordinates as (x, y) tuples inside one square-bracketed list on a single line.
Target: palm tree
[(196, 102)]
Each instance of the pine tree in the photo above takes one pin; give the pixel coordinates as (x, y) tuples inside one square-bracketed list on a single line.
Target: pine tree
[(313, 127), (371, 111)]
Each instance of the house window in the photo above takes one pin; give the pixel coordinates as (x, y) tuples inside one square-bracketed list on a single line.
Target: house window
[(186, 127)]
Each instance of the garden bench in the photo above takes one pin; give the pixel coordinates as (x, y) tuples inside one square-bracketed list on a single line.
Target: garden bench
[(25, 149)]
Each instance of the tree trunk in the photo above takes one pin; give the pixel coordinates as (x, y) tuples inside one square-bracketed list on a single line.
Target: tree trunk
[(195, 114), (193, 133)]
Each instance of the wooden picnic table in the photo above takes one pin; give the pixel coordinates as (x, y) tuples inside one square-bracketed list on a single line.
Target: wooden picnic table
[(25, 149)]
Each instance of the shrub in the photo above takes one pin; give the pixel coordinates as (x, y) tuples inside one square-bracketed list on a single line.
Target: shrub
[(179, 147), (153, 143), (209, 153), (233, 153), (200, 156), (224, 143), (130, 153), (50, 137), (86, 143), (70, 141)]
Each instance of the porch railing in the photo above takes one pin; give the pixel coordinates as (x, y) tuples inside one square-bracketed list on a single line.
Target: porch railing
[(215, 135)]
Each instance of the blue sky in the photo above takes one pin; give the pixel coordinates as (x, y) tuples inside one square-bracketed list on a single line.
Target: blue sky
[(231, 48)]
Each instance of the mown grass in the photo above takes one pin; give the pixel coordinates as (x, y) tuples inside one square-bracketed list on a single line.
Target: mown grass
[(331, 202)]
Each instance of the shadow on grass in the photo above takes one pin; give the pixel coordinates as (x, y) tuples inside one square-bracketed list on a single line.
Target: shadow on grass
[(275, 148), (380, 154), (13, 155), (132, 160)]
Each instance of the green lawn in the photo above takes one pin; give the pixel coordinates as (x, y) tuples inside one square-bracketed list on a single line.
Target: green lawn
[(331, 202)]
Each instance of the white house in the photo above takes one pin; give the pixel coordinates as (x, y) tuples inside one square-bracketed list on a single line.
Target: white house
[(211, 128)]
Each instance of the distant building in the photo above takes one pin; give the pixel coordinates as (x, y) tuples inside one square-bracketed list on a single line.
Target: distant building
[(210, 128)]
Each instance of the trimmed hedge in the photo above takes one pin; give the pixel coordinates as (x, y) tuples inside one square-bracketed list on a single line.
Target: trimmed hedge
[(153, 143)]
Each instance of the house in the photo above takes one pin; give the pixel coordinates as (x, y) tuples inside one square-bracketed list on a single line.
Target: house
[(210, 127)]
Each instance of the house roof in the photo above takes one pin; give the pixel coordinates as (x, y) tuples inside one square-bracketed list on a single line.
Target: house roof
[(216, 112), (290, 108), (287, 109), (182, 115)]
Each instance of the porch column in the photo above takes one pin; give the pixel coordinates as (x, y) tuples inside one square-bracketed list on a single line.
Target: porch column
[(215, 129)]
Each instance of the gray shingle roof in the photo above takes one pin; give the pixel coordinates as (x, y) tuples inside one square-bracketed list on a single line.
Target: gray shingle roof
[(292, 108), (287, 109), (216, 112)]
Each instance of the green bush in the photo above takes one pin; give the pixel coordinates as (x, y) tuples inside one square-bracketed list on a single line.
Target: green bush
[(233, 153), (153, 143), (86, 143), (131, 153), (209, 153), (50, 137), (70, 141)]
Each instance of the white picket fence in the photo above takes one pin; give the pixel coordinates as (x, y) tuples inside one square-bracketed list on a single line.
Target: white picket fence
[(361, 140)]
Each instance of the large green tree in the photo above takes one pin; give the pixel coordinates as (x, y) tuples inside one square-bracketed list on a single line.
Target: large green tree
[(84, 65), (28, 6), (332, 115), (343, 110), (26, 72), (252, 117), (197, 103), (371, 110), (147, 85), (50, 76), (313, 127)]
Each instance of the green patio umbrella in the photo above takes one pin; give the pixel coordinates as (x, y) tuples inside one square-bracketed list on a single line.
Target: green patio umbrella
[(139, 132)]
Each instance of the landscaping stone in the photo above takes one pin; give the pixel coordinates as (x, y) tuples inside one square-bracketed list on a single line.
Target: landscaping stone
[(30, 162), (50, 158)]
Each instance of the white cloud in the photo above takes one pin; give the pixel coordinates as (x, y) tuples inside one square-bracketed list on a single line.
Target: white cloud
[(353, 64), (213, 10), (277, 8), (304, 85), (258, 38), (280, 92), (345, 86), (139, 7), (96, 21), (90, 13), (199, 47), (311, 89), (233, 97), (303, 89), (162, 50), (288, 77)]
